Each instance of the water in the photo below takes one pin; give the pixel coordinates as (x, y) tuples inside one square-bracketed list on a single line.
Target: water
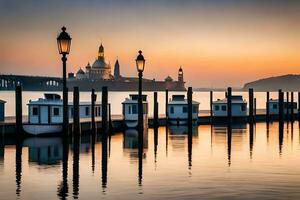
[(116, 99), (262, 164)]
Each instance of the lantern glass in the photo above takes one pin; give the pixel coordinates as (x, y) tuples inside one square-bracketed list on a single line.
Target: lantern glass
[(64, 42), (140, 62)]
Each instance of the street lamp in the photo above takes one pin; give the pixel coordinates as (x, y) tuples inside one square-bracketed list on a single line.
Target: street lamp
[(140, 65), (64, 43)]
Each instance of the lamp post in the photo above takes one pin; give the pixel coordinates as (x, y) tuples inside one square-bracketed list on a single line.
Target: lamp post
[(64, 43), (140, 65)]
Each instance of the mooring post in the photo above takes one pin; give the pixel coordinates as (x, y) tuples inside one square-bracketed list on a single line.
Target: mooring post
[(110, 128), (104, 111), (18, 96), (251, 105), (155, 111), (292, 106), (254, 109), (76, 113), (93, 99), (190, 108), (287, 113), (167, 105), (298, 106), (229, 105), (268, 106), (211, 105), (280, 102)]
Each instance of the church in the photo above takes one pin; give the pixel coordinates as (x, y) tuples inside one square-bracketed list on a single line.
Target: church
[(100, 70), (100, 74)]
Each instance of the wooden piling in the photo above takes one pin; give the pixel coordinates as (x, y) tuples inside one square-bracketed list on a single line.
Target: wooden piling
[(211, 105), (251, 105), (254, 109), (76, 112), (18, 99), (167, 105), (110, 127), (93, 99), (298, 106), (190, 107), (155, 111), (190, 124), (292, 106), (104, 111), (280, 105), (268, 107), (229, 104), (287, 113)]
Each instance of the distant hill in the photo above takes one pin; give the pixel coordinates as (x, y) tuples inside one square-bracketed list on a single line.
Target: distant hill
[(289, 82)]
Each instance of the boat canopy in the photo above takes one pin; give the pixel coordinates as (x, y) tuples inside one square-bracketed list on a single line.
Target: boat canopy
[(178, 97), (136, 96), (52, 96)]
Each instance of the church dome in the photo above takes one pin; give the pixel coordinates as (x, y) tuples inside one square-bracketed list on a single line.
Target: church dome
[(99, 63)]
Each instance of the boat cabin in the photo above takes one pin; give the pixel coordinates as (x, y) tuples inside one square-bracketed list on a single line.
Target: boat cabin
[(49, 110), (238, 107), (130, 110), (178, 110), (274, 107)]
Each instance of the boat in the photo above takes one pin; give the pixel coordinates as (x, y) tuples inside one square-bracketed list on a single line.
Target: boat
[(45, 115), (130, 111), (238, 107), (274, 107), (178, 110)]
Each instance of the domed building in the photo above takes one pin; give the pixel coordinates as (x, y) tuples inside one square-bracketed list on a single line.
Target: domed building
[(100, 70)]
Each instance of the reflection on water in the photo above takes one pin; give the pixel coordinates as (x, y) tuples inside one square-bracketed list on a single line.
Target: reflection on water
[(18, 157), (44, 150), (63, 188), (135, 149), (173, 162)]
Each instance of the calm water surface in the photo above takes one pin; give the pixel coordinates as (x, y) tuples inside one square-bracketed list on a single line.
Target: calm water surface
[(253, 162)]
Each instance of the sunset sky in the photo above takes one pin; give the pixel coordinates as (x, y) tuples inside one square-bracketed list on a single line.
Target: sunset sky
[(219, 43)]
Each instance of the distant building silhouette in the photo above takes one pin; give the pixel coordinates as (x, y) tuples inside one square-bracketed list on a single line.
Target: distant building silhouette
[(180, 75), (117, 74), (93, 76)]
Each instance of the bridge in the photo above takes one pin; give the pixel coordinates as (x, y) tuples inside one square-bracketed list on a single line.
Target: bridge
[(9, 82)]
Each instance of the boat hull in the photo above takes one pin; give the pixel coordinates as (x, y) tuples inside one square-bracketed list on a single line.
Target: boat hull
[(43, 129), (181, 121), (131, 123)]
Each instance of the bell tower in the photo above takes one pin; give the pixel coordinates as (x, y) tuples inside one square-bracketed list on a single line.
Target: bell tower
[(101, 52), (180, 75)]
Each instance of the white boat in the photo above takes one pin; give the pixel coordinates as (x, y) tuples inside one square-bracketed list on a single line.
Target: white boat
[(238, 107), (178, 110), (130, 111), (45, 115), (274, 107)]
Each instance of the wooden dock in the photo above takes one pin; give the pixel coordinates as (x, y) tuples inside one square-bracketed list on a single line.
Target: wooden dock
[(8, 127)]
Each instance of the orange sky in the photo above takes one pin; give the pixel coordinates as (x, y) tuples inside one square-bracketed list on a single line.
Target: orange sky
[(217, 44)]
